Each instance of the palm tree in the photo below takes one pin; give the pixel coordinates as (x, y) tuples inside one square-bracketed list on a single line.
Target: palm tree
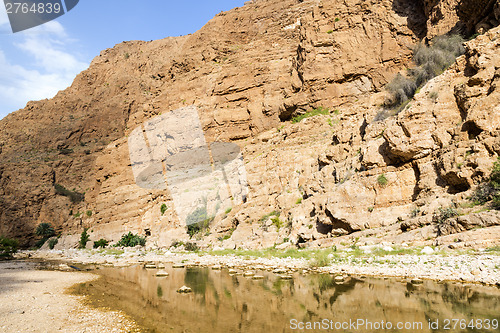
[(45, 230)]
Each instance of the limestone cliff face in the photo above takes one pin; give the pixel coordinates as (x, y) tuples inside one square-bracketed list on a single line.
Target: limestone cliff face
[(472, 16), (250, 70)]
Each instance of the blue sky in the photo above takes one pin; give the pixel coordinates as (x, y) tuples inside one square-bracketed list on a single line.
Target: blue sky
[(37, 63)]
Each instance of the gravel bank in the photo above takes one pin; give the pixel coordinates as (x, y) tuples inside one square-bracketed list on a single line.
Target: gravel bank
[(34, 300), (476, 268)]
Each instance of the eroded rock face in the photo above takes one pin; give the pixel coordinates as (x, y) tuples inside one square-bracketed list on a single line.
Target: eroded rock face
[(249, 70), (462, 223), (473, 16), (442, 16), (482, 14)]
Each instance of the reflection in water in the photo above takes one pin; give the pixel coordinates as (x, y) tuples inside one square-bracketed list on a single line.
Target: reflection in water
[(224, 303)]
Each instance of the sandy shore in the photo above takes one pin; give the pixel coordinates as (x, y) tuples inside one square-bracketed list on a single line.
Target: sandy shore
[(479, 267), (34, 300)]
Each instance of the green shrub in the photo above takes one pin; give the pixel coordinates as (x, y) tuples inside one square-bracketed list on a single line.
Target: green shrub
[(176, 244), (89, 213), (228, 210), (493, 249), (431, 60), (101, 243), (227, 236), (414, 213), (39, 243), (195, 228), (8, 247), (163, 208), (401, 89), (191, 247), (495, 175), (198, 215), (277, 222), (131, 240), (198, 221), (489, 191), (84, 238), (45, 230), (434, 96), (320, 259), (53, 242), (495, 203), (482, 194), (65, 151), (311, 113), (265, 217), (382, 180), (434, 59), (299, 201), (443, 214), (74, 196)]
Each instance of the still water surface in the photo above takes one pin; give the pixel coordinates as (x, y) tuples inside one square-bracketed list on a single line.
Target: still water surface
[(224, 303)]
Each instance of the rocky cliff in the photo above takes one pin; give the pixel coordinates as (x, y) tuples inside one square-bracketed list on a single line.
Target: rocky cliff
[(249, 71)]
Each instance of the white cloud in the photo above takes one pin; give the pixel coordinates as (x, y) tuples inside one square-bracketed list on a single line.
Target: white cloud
[(19, 85), (51, 67), (51, 28), (4, 20), (3, 15)]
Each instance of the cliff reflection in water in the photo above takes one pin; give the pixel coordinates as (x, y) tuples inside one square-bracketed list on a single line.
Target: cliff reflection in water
[(223, 303)]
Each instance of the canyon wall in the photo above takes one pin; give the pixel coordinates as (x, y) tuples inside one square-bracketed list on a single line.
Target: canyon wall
[(249, 71)]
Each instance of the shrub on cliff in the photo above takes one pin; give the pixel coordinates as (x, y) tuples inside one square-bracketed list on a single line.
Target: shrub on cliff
[(198, 221), (163, 209), (401, 89), (495, 175), (314, 112), (382, 180), (74, 196), (490, 190), (442, 214), (431, 61)]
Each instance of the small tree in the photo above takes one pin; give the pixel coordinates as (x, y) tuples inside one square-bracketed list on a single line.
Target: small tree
[(101, 243), (84, 238), (131, 240), (495, 175), (8, 247), (489, 190), (45, 230), (53, 242)]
